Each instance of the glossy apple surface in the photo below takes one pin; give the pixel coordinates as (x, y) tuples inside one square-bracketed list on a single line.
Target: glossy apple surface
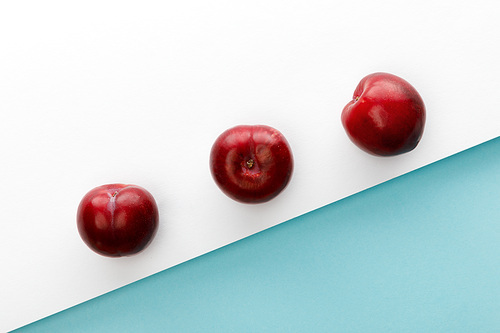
[(386, 115), (251, 164), (117, 220)]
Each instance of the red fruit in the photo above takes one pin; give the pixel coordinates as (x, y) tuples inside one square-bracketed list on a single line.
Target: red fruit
[(386, 115), (251, 164), (117, 220)]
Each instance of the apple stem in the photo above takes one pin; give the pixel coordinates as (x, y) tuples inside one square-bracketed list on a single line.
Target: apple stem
[(250, 163), (114, 194)]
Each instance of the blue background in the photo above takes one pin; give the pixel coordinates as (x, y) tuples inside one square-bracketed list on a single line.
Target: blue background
[(420, 253)]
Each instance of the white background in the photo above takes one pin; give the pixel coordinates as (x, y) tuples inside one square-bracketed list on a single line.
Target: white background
[(96, 92)]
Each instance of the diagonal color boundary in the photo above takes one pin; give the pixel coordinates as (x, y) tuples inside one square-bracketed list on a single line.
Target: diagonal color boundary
[(419, 253)]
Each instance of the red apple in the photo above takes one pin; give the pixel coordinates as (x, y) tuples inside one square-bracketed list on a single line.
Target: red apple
[(251, 164), (117, 220), (386, 116)]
